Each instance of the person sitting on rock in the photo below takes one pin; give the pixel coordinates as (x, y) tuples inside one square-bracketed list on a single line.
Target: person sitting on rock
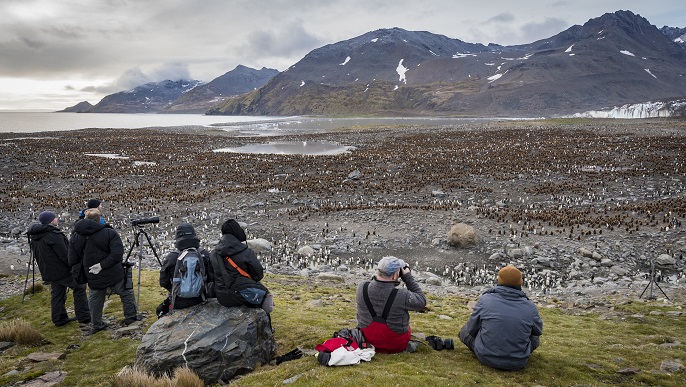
[(237, 272), (186, 238), (383, 310), (505, 326)]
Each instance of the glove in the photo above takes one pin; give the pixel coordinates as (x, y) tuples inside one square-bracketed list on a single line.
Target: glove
[(292, 355), (95, 269)]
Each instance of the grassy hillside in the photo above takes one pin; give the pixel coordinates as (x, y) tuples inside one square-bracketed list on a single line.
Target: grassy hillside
[(579, 347)]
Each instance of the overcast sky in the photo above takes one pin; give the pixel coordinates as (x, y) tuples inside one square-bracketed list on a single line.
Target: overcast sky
[(56, 53)]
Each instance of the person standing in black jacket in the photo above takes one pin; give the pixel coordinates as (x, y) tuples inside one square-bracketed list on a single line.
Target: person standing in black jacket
[(49, 247), (98, 250), (186, 238), (237, 272)]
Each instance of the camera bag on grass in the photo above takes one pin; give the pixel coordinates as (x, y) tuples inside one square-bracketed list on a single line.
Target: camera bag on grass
[(190, 276), (347, 347)]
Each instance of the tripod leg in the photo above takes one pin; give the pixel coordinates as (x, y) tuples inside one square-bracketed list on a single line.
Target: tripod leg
[(646, 288), (23, 296), (139, 285), (152, 246), (134, 242), (663, 292)]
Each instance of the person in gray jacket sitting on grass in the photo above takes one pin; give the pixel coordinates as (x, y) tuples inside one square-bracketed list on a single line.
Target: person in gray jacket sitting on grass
[(505, 326)]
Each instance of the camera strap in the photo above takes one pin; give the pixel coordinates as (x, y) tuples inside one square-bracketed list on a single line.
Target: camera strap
[(387, 307), (241, 271)]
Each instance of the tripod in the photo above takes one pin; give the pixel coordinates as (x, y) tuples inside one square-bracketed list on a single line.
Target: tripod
[(652, 281), (30, 267), (127, 265)]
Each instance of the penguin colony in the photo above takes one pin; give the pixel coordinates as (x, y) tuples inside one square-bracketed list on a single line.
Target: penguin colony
[(525, 179)]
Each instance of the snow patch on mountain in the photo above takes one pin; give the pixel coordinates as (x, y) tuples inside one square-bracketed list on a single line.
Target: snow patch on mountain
[(462, 55), (401, 70)]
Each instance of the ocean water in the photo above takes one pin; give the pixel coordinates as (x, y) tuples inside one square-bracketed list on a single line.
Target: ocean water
[(31, 122)]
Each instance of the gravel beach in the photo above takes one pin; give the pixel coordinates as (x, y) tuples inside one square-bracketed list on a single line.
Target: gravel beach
[(583, 207)]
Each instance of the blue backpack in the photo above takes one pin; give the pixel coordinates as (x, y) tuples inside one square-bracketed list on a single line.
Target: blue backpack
[(190, 276)]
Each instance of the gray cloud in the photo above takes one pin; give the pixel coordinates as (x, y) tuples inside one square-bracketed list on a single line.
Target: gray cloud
[(134, 77), (502, 18), (170, 71), (548, 27), (291, 39)]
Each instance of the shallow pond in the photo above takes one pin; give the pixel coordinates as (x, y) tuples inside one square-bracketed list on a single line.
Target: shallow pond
[(313, 148)]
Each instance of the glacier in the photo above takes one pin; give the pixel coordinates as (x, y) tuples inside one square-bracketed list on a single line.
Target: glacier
[(638, 110)]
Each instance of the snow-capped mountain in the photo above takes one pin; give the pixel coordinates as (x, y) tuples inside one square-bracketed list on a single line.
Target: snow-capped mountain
[(240, 80), (148, 98), (616, 59)]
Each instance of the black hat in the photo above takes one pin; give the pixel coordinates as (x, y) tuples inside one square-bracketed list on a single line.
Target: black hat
[(232, 227), (93, 203), (185, 231), (46, 217)]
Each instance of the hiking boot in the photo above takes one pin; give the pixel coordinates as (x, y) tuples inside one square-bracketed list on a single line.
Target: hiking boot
[(95, 330), (131, 320), (65, 322)]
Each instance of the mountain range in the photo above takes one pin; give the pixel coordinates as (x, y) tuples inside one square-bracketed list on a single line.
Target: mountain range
[(617, 59), (182, 96)]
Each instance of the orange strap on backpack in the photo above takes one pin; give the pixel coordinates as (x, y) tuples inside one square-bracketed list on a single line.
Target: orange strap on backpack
[(243, 272)]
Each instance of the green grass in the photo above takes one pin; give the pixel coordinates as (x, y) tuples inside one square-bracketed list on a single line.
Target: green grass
[(578, 348)]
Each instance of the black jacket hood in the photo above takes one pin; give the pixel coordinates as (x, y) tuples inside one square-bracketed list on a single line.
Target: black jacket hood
[(39, 230), (229, 246), (88, 227)]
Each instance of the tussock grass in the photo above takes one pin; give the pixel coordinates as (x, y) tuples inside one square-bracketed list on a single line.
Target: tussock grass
[(34, 288), (20, 332), (133, 377), (578, 347)]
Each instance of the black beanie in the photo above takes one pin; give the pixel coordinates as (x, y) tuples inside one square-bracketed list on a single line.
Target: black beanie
[(46, 217), (184, 231), (232, 227), (93, 203)]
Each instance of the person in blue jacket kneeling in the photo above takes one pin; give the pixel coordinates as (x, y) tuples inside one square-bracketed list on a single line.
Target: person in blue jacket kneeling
[(505, 327)]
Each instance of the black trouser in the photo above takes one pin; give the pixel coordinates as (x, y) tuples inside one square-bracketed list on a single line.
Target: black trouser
[(58, 297)]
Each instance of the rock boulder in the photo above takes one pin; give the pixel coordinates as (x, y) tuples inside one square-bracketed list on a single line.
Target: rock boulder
[(462, 235), (215, 342)]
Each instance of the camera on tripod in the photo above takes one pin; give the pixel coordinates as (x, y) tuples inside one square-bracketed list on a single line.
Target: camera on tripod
[(143, 221), (136, 242)]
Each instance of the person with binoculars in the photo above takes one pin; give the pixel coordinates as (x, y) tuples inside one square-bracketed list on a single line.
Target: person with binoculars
[(96, 254), (383, 309)]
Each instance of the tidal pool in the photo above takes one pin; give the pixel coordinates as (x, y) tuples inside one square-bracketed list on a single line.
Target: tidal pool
[(312, 148)]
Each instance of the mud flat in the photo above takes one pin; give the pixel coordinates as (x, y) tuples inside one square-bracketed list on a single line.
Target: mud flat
[(580, 205)]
